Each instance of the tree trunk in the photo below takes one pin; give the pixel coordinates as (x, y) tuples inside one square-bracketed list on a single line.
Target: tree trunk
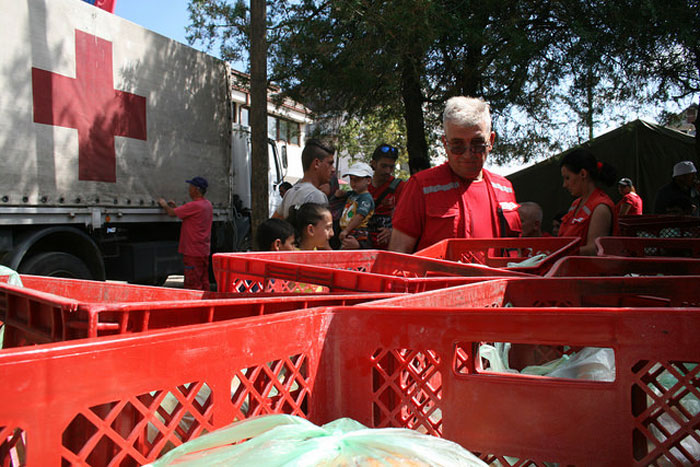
[(412, 96), (258, 115), (697, 131)]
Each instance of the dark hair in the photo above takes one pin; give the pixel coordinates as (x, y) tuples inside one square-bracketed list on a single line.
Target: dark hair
[(306, 214), (580, 159), (284, 186), (271, 230), (558, 216), (385, 150), (315, 149)]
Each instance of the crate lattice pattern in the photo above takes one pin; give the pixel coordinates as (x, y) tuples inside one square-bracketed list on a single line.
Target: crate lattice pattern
[(507, 461), (251, 285), (12, 446), (280, 386), (666, 407), (407, 390), (139, 429)]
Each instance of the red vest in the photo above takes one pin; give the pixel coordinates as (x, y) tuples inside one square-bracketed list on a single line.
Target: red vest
[(578, 226)]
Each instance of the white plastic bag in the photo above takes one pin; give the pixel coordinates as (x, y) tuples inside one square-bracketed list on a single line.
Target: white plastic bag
[(497, 356), (591, 363), (532, 261)]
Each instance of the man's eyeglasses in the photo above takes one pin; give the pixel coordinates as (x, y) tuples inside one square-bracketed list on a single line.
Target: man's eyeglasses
[(459, 148), (386, 149)]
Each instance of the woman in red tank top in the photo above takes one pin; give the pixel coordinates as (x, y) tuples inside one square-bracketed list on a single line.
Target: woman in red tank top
[(592, 214)]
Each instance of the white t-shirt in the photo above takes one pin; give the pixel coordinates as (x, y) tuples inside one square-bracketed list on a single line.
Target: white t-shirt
[(301, 193)]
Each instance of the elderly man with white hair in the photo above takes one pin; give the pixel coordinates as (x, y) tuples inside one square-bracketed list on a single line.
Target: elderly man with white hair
[(458, 199), (683, 188)]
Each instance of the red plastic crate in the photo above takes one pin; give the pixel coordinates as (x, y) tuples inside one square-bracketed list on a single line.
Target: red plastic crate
[(643, 247), (126, 399), (50, 309), (336, 271), (583, 266), (589, 292), (665, 226), (498, 252)]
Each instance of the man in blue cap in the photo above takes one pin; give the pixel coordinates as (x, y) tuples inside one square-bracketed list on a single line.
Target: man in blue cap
[(195, 233)]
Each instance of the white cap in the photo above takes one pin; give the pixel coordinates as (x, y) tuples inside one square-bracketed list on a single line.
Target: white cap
[(682, 168), (359, 169)]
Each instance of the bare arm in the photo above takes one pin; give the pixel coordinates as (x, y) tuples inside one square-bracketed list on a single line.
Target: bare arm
[(354, 222), (600, 226), (401, 242), (169, 206), (625, 208)]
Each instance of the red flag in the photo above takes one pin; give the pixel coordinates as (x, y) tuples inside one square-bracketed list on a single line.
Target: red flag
[(107, 5)]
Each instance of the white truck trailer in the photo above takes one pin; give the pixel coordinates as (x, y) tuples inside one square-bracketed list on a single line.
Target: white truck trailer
[(99, 118)]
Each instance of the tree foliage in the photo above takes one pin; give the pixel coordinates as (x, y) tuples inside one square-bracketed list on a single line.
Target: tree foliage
[(529, 58)]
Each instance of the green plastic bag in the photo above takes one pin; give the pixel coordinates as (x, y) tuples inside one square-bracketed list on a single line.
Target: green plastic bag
[(287, 440), (14, 279)]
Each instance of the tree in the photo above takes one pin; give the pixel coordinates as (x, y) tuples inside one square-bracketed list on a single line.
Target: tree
[(530, 59), (258, 114), (664, 48)]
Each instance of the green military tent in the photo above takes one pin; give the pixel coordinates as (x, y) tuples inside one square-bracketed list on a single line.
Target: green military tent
[(642, 151)]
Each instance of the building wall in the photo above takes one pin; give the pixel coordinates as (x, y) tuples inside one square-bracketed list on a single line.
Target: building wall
[(287, 124)]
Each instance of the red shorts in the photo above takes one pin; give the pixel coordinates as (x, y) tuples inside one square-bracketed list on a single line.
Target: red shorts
[(196, 272)]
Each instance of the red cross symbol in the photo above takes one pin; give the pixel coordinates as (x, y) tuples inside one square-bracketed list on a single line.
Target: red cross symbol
[(90, 104)]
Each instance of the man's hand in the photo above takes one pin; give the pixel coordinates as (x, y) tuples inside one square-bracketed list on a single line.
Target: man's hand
[(169, 206), (383, 236), (350, 243)]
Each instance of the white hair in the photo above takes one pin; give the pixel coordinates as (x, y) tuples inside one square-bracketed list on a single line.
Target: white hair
[(466, 111)]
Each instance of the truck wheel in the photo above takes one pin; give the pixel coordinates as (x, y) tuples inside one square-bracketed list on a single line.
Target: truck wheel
[(56, 264)]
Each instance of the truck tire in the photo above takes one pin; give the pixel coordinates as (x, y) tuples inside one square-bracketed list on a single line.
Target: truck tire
[(56, 264)]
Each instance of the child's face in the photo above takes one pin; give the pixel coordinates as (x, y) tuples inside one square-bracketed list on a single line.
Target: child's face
[(359, 184), (287, 245), (321, 232)]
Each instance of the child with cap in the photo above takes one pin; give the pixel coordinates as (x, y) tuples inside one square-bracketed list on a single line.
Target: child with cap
[(359, 207)]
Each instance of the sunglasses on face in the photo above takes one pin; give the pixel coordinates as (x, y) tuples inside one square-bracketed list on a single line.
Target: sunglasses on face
[(474, 148), (386, 149)]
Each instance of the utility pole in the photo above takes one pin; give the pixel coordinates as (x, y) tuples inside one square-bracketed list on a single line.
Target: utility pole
[(258, 115)]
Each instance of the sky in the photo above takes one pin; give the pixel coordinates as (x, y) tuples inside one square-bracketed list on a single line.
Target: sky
[(166, 17)]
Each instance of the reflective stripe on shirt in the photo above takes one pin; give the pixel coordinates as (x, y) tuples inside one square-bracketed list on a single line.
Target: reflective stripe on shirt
[(503, 188), (436, 188), (508, 205)]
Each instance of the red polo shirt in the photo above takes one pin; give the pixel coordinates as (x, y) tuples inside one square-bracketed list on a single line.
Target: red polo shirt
[(436, 204)]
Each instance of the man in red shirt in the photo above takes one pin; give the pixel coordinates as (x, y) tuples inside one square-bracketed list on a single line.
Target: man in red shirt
[(195, 233), (458, 199), (385, 190)]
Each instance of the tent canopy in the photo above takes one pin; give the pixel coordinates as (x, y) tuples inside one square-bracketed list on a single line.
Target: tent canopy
[(639, 150)]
